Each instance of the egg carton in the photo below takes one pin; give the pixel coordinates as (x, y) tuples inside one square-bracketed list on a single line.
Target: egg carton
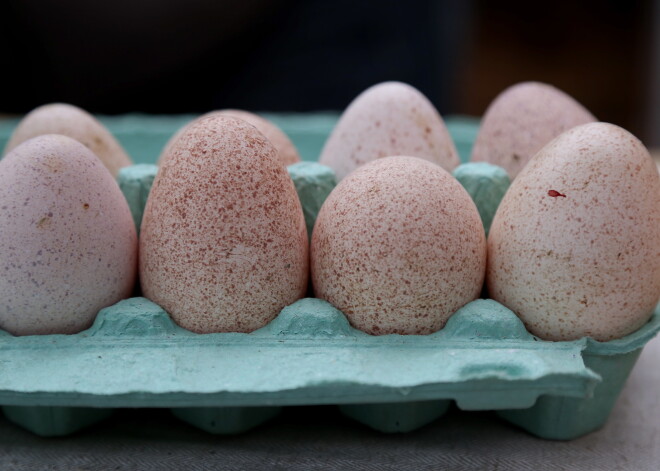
[(134, 355), (484, 359)]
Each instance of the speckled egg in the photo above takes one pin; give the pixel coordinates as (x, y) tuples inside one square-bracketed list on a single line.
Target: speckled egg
[(398, 247), (68, 246), (223, 242), (521, 120), (286, 151), (574, 248), (69, 120), (390, 118)]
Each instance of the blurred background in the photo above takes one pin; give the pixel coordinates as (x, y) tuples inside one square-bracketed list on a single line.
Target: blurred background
[(192, 56)]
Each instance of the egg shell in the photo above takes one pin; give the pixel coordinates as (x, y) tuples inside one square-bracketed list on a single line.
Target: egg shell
[(574, 248), (398, 247), (68, 246), (521, 120), (388, 119), (69, 120), (286, 151), (223, 244)]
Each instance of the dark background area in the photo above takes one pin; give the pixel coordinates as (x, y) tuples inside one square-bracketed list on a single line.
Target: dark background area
[(176, 56)]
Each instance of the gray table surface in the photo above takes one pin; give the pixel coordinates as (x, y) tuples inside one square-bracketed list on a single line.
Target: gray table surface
[(308, 438)]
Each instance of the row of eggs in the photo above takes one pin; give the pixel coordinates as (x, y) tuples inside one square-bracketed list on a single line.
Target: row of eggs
[(398, 246)]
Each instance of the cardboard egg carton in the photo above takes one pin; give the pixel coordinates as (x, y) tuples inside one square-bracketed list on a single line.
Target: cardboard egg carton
[(483, 359)]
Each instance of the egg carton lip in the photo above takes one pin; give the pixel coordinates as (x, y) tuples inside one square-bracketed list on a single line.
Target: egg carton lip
[(135, 356), (466, 395)]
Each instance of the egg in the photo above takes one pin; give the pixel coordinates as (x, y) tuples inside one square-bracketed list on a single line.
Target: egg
[(223, 242), (286, 151), (68, 246), (521, 120), (574, 248), (388, 119), (398, 247), (69, 120)]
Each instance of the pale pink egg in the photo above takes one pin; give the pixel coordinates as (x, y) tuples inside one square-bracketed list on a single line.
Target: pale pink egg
[(521, 120), (574, 248), (68, 246), (69, 120), (390, 118)]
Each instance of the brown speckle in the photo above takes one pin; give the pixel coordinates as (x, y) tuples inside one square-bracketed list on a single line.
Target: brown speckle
[(44, 222)]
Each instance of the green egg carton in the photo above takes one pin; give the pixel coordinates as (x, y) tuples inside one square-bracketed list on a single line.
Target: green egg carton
[(134, 355), (463, 131)]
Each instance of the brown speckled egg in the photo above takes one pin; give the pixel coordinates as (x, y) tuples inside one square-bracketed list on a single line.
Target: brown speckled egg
[(521, 120), (223, 242), (68, 246), (286, 151), (574, 248), (69, 120), (398, 246), (390, 118)]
